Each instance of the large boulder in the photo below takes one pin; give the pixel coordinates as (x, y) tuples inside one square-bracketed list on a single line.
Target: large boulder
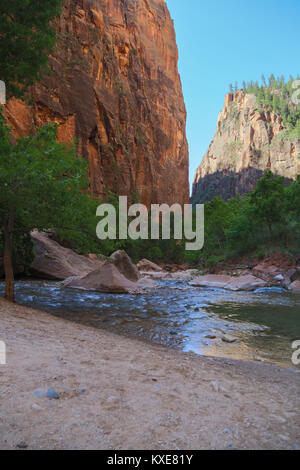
[(147, 266), (52, 261), (247, 282), (124, 264), (105, 279)]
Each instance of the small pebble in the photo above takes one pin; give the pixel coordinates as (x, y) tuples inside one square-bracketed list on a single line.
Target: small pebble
[(47, 393), (36, 407), (22, 445)]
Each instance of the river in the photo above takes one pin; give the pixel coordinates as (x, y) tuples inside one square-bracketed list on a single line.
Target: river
[(265, 323)]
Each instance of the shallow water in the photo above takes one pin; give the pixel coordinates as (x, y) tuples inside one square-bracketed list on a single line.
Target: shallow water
[(265, 322)]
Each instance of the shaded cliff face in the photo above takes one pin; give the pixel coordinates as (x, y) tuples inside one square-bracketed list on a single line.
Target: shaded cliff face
[(249, 140), (116, 88)]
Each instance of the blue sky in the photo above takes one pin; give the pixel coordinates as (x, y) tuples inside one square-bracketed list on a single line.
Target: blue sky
[(223, 41)]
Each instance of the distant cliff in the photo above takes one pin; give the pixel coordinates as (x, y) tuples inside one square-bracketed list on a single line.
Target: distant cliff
[(115, 87), (250, 139)]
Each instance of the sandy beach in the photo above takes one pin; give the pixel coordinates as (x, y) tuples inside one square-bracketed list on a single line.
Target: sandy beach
[(120, 393)]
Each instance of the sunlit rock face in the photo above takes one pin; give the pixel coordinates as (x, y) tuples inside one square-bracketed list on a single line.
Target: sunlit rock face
[(249, 140), (115, 87)]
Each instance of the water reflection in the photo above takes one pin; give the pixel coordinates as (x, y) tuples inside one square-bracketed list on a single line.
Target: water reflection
[(264, 323)]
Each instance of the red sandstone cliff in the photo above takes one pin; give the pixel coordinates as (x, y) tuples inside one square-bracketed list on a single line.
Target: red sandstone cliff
[(116, 88)]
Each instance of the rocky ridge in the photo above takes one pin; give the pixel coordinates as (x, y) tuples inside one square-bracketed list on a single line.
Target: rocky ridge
[(249, 140)]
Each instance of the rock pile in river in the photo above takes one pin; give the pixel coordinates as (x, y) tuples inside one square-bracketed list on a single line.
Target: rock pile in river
[(116, 275), (119, 275)]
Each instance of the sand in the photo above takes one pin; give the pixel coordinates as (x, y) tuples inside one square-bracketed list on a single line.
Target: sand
[(121, 393)]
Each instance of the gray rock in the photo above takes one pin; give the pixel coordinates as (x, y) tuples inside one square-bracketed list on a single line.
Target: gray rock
[(146, 283), (106, 279), (47, 393), (36, 407), (146, 265), (124, 264), (296, 275), (22, 445), (258, 359), (295, 287), (247, 282), (229, 339), (287, 281)]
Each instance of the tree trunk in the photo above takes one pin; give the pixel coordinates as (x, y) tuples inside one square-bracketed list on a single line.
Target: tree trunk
[(7, 258)]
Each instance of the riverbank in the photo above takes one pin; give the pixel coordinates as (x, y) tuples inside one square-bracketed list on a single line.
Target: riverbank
[(120, 393)]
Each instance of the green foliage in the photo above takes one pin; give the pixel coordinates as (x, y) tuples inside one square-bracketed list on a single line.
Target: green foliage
[(44, 185), (267, 217), (268, 199), (213, 261), (168, 251), (22, 255), (27, 37), (277, 95)]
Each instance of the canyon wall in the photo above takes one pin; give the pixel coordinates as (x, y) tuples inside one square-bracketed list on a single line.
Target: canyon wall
[(249, 140), (115, 87)]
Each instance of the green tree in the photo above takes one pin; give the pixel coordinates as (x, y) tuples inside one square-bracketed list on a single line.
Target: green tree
[(268, 199), (27, 37), (277, 96), (242, 230), (43, 185)]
